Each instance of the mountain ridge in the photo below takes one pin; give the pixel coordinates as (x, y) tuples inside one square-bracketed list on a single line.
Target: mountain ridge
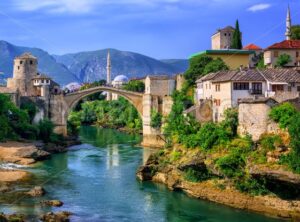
[(89, 66)]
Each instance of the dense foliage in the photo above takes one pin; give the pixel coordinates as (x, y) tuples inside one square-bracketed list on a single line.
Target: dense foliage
[(94, 84), (16, 123), (156, 119), (202, 65), (283, 114), (295, 32), (135, 86), (237, 37), (283, 60), (113, 114)]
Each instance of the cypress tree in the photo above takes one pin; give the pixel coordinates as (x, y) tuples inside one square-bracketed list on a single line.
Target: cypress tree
[(237, 37)]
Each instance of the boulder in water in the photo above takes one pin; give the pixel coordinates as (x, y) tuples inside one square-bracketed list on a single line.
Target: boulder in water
[(37, 191)]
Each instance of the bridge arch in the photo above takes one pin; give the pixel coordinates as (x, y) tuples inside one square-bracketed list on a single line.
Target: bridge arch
[(136, 99)]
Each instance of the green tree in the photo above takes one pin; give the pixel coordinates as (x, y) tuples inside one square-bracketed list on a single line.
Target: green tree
[(135, 86), (196, 68), (156, 119), (237, 37), (215, 65), (283, 60), (295, 32), (30, 108)]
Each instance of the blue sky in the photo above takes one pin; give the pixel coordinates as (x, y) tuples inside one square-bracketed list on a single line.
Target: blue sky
[(158, 28)]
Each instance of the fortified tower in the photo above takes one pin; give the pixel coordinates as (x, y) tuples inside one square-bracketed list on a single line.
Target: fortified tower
[(25, 69)]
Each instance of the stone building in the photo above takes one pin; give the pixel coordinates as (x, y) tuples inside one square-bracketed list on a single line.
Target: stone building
[(222, 39), (288, 46), (27, 84), (224, 89), (160, 85), (233, 58), (25, 69)]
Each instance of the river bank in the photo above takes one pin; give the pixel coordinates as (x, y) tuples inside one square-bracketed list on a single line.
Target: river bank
[(174, 171), (27, 153)]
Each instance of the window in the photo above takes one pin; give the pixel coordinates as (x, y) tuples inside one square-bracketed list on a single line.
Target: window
[(18, 67), (289, 88), (42, 81), (297, 54), (225, 34), (209, 85), (218, 87), (257, 88), (241, 86), (298, 88), (31, 62), (217, 102), (276, 54), (21, 62), (276, 88)]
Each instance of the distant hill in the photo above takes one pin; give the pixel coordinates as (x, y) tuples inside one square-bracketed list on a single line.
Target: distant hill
[(88, 66), (47, 64), (180, 65), (91, 66)]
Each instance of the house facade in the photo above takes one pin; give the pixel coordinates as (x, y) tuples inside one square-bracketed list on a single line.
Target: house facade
[(222, 39), (289, 47), (234, 59), (225, 89)]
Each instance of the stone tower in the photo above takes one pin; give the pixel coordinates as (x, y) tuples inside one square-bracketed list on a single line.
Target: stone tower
[(108, 75), (222, 39), (288, 32), (25, 69)]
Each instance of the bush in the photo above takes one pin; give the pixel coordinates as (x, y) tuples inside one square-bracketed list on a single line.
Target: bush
[(252, 186), (175, 155), (283, 60), (156, 119), (270, 142), (231, 165), (46, 128), (135, 86), (283, 114), (30, 108), (196, 176), (294, 131), (292, 160)]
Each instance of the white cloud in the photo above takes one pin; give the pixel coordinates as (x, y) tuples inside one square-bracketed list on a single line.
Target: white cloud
[(259, 7)]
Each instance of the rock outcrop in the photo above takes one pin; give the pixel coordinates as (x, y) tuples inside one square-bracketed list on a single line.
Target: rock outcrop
[(56, 217), (52, 203), (173, 175), (37, 191)]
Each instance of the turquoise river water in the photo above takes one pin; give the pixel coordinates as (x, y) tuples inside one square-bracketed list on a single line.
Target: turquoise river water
[(97, 182)]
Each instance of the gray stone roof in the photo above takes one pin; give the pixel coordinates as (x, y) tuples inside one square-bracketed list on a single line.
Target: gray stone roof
[(282, 75), (271, 75)]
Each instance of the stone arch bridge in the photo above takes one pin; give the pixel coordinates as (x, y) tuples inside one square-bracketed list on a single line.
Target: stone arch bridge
[(62, 105)]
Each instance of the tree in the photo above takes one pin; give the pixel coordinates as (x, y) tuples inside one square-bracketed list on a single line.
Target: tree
[(214, 66), (237, 37), (135, 86), (283, 60), (295, 32), (201, 65), (196, 69)]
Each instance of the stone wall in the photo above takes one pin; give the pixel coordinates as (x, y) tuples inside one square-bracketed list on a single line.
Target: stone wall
[(254, 118)]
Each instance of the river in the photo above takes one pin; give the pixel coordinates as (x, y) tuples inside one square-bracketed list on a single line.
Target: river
[(97, 182)]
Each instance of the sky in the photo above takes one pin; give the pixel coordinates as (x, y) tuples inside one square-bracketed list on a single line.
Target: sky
[(163, 29)]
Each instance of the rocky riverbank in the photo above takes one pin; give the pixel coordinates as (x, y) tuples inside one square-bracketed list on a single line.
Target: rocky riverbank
[(167, 168), (26, 153)]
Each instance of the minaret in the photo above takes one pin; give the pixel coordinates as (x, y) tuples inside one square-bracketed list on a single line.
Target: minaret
[(288, 32), (108, 75)]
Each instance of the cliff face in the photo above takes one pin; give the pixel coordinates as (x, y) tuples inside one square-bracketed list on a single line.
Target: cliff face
[(162, 168)]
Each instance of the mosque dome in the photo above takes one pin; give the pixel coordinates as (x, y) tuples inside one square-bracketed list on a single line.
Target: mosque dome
[(121, 78)]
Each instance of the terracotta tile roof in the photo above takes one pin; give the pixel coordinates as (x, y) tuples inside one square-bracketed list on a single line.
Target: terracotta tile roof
[(282, 75), (252, 47), (286, 44)]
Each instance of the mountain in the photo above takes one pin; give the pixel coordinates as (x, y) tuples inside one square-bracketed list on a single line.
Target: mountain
[(91, 66), (88, 66), (180, 65), (47, 63)]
